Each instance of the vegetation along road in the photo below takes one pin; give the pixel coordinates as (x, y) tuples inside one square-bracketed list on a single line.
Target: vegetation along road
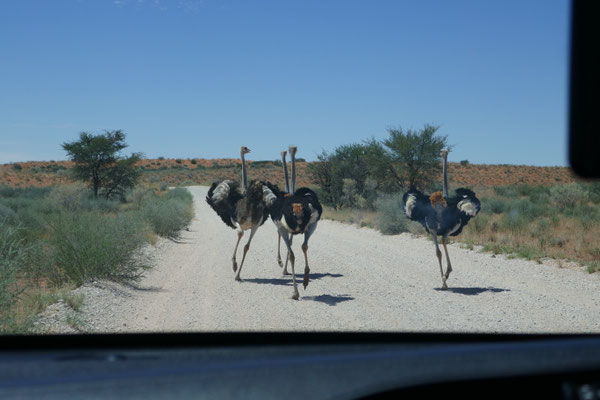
[(361, 280)]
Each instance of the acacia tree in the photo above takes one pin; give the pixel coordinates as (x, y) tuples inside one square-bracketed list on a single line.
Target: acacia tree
[(98, 163), (407, 158)]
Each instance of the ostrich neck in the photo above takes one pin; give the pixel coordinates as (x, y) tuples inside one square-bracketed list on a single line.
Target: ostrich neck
[(293, 188), (445, 173), (285, 174), (244, 177)]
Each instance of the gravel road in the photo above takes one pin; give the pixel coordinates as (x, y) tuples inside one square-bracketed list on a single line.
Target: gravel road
[(360, 281)]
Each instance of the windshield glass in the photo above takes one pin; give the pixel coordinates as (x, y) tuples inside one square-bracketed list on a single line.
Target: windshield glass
[(291, 166)]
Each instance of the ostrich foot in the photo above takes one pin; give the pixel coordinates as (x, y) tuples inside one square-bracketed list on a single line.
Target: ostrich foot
[(296, 295), (285, 272), (305, 281), (234, 266), (279, 262), (237, 278), (444, 286)]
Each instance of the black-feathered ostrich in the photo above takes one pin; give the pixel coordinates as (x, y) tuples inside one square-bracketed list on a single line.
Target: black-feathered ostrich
[(296, 214), (242, 208), (441, 215)]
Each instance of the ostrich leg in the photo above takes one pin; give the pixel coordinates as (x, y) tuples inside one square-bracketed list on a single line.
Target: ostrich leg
[(279, 250), (285, 270), (449, 268), (438, 253), (233, 260), (288, 242), (246, 248), (307, 236)]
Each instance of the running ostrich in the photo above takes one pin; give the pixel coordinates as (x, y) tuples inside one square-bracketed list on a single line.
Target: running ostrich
[(295, 214), (243, 209), (286, 183), (441, 215)]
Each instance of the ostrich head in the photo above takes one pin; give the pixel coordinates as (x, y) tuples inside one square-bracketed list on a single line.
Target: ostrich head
[(293, 150), (444, 152), (244, 150)]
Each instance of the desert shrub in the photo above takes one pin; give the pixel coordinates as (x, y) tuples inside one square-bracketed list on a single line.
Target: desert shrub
[(167, 217), (193, 161), (349, 193), (505, 191), (391, 218), (495, 205), (514, 221), (18, 167), (178, 160), (568, 195), (528, 209), (7, 214), (479, 224), (593, 189), (12, 256), (464, 162), (180, 194), (170, 213), (69, 198), (92, 245)]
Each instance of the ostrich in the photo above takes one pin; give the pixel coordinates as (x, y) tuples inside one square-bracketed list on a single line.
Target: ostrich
[(286, 183), (441, 215), (244, 208), (295, 214)]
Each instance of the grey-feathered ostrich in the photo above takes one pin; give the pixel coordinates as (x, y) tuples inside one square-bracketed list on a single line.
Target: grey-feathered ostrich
[(296, 214), (441, 215), (242, 208)]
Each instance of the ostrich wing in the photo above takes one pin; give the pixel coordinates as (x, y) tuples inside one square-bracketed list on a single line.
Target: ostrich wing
[(223, 197), (417, 206)]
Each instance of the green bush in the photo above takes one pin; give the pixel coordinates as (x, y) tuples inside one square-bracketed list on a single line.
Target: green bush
[(495, 205), (167, 216), (391, 218), (92, 245), (12, 257), (568, 195)]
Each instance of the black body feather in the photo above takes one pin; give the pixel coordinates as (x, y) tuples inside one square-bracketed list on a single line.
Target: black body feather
[(297, 210), (446, 220)]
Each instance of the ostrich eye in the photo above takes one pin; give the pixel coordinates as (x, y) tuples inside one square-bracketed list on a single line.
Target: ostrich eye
[(465, 196)]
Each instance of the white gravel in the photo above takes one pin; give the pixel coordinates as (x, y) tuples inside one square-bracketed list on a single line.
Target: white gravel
[(361, 280)]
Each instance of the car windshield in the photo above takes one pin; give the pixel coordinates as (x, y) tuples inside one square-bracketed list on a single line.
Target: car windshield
[(216, 165)]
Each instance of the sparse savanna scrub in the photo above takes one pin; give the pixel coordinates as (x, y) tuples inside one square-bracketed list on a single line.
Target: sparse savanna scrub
[(61, 237), (526, 221), (361, 184)]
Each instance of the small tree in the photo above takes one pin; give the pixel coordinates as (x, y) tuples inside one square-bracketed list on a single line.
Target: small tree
[(97, 162), (407, 158)]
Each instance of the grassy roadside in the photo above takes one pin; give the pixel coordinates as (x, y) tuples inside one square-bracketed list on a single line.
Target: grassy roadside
[(560, 222), (54, 239)]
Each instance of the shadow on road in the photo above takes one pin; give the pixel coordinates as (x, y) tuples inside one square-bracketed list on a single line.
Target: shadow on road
[(473, 291), (328, 299), (179, 240), (287, 280)]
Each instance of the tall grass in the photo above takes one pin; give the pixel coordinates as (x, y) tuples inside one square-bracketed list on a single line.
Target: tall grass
[(60, 236)]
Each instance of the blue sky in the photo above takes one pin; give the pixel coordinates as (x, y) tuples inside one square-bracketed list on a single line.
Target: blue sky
[(198, 79)]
